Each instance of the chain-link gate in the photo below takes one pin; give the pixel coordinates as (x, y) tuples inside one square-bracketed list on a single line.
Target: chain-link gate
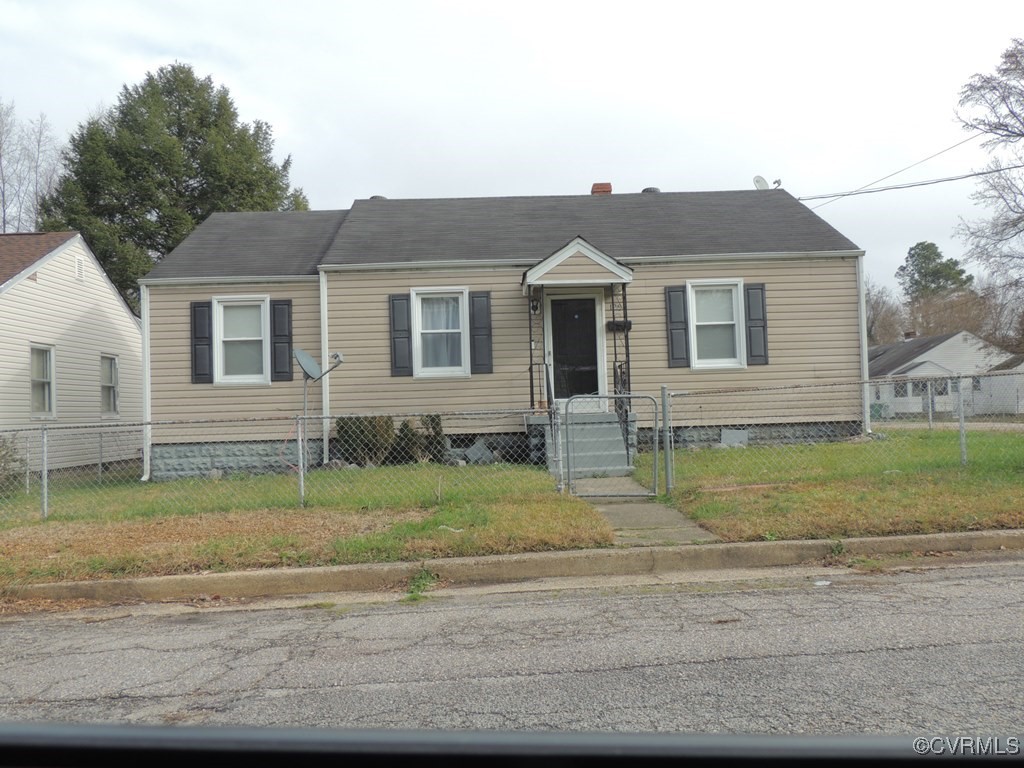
[(602, 440)]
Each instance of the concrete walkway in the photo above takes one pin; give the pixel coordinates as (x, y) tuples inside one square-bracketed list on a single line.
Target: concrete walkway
[(638, 519)]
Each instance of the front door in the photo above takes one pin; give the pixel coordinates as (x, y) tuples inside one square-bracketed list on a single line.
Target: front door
[(574, 361)]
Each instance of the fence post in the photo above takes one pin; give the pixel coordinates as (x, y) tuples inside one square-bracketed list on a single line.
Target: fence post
[(28, 463), (301, 444), (99, 465), (930, 406), (556, 439), (666, 439), (963, 425), (44, 475)]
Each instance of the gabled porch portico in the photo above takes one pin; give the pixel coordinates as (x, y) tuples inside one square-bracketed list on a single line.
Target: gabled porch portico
[(579, 324)]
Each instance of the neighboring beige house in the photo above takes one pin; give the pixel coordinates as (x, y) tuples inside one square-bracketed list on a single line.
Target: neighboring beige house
[(71, 351), (444, 305)]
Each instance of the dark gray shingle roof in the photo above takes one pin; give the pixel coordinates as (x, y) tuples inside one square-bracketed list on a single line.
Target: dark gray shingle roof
[(1009, 363), (520, 229), (528, 229), (264, 244), (889, 359)]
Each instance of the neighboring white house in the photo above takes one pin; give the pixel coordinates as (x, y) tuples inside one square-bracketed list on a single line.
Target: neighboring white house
[(70, 354), (1002, 392), (922, 375)]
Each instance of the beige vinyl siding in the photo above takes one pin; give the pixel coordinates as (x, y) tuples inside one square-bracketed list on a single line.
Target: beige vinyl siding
[(175, 397), (579, 267), (359, 327), (81, 320), (813, 337)]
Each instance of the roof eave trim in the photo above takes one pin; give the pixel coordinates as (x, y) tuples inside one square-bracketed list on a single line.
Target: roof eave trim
[(449, 264), (527, 263), (781, 255), (226, 280)]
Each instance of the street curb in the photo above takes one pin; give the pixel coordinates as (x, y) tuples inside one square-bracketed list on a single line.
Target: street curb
[(503, 569)]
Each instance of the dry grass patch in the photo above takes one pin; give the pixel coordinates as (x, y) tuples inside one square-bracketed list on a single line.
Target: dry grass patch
[(62, 550), (869, 507), (185, 544)]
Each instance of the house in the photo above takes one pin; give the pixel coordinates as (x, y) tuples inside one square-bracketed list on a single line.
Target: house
[(476, 304), (922, 374), (71, 352), (1002, 391)]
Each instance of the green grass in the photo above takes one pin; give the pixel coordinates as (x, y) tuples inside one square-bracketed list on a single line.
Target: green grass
[(421, 486), (354, 516), (907, 481)]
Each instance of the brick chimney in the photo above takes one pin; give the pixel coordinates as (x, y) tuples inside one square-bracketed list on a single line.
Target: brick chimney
[(601, 188)]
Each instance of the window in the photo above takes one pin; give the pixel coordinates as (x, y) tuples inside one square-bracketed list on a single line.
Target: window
[(240, 345), (440, 332), (241, 340), (899, 389), (716, 324), (941, 387), (108, 385), (976, 383), (42, 381), (918, 388)]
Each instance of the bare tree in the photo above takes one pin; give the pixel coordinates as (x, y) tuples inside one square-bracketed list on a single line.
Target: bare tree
[(29, 158), (991, 309), (994, 105), (884, 316)]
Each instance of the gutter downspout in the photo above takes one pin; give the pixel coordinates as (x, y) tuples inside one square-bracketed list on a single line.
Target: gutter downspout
[(325, 382), (147, 389), (862, 310)]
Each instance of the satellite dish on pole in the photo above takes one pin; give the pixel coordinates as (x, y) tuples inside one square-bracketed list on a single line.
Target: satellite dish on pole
[(311, 372), (309, 366), (760, 182)]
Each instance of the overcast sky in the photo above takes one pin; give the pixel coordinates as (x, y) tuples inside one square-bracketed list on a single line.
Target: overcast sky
[(467, 99)]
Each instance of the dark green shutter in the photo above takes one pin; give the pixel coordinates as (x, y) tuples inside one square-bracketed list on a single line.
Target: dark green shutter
[(480, 355), (202, 342), (757, 324), (678, 335), (401, 334), (281, 340)]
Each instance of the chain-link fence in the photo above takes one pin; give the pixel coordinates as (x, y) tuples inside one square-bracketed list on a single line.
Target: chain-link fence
[(365, 461), (592, 446), (816, 433)]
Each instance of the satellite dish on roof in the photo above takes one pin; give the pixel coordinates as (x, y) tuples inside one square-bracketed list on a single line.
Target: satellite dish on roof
[(760, 182), (309, 366)]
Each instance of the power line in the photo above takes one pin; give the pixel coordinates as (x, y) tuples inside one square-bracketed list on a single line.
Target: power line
[(913, 165), (909, 185)]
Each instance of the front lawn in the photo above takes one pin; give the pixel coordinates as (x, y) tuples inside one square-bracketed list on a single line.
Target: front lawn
[(908, 481), (352, 516)]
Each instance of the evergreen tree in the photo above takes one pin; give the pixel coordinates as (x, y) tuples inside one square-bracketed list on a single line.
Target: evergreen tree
[(141, 176)]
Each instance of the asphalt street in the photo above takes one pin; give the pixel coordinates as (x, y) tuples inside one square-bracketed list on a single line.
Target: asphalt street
[(921, 651)]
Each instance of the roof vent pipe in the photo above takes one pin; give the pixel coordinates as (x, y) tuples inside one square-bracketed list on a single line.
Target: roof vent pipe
[(601, 188)]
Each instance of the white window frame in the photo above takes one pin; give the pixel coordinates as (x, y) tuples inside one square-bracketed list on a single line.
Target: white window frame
[(418, 369), (219, 377), (116, 386), (51, 382), (739, 323)]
